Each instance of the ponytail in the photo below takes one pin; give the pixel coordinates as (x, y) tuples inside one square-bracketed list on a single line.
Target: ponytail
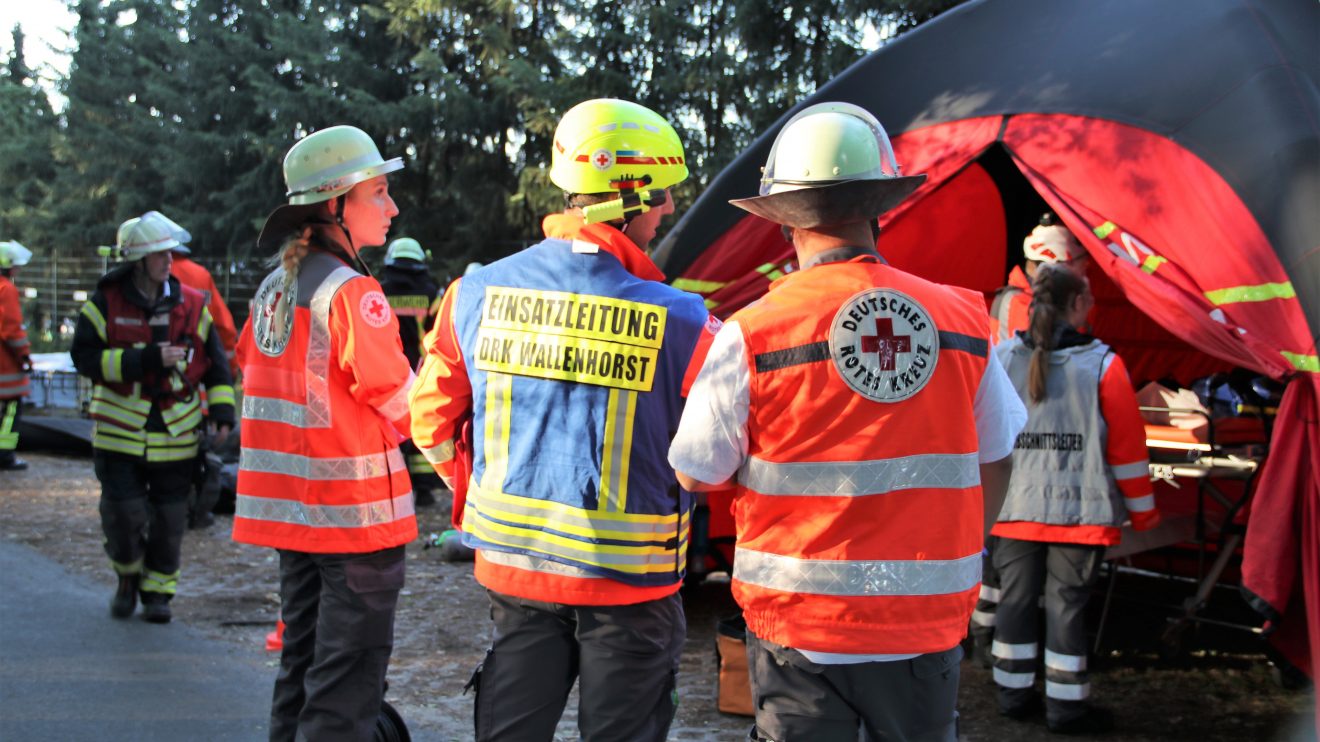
[(1053, 291)]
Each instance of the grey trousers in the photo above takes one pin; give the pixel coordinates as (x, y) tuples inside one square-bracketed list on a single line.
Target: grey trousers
[(797, 700), (338, 612), (624, 657), (1064, 573)]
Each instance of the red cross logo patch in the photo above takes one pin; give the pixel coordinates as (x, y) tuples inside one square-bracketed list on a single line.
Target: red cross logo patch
[(602, 159), (884, 345), (375, 309)]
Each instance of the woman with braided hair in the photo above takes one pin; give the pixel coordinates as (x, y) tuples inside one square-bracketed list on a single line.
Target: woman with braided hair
[(1079, 472)]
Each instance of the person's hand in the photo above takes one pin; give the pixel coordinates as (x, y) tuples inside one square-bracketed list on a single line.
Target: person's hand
[(219, 434), (172, 354), (25, 364)]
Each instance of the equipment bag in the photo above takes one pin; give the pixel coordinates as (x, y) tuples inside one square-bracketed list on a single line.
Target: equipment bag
[(735, 686)]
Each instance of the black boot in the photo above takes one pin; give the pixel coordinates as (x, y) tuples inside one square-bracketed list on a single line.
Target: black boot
[(156, 608), (125, 600), (12, 463)]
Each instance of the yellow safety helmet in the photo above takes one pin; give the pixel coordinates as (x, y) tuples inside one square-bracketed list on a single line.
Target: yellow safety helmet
[(607, 145)]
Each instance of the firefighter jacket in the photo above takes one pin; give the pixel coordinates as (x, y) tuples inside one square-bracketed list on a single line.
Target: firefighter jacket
[(192, 274), (570, 357), (859, 503), (1080, 466), (325, 405), (1009, 310), (140, 408), (14, 347), (412, 294)]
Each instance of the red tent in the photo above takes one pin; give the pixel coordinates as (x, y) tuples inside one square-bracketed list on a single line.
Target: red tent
[(1180, 141)]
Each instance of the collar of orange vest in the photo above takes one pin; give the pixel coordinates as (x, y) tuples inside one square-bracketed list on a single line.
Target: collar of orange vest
[(611, 240)]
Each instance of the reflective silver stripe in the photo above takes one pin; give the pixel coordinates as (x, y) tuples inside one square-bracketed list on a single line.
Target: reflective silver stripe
[(1006, 651), (1141, 504), (6, 378), (990, 594), (616, 450), (396, 407), (271, 410), (1065, 662), (983, 618), (324, 516), (1131, 471), (440, 453), (833, 478), (318, 348), (18, 342), (320, 469), (857, 578), (535, 564), (1066, 691), (1014, 679)]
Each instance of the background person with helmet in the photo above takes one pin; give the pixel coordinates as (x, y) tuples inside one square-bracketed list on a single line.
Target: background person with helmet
[(413, 294), (15, 352), (569, 358), (1079, 471), (325, 405), (868, 432), (145, 341)]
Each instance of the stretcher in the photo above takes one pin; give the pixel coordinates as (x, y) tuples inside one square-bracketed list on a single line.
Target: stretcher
[(1204, 479)]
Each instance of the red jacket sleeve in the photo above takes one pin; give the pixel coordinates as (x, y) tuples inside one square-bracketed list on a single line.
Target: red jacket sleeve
[(1125, 449), (371, 352), (442, 397)]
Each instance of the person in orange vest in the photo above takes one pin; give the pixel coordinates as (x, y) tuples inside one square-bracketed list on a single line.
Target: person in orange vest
[(197, 276), (569, 359), (145, 342), (325, 405), (1079, 471), (15, 355), (868, 431)]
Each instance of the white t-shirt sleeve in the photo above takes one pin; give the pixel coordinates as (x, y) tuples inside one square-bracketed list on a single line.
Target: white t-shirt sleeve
[(999, 412), (711, 442)]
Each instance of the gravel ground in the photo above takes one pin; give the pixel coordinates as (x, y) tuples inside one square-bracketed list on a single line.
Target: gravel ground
[(1219, 688)]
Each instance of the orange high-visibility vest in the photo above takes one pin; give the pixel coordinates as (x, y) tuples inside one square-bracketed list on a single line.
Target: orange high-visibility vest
[(859, 507), (325, 405)]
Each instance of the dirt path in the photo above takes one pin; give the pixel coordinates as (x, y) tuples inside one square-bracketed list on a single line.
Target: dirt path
[(230, 591)]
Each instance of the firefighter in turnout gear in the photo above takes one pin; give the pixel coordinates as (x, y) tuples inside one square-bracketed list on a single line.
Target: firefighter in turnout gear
[(867, 430), (414, 297), (15, 355), (569, 359), (146, 342), (1079, 471), (325, 405)]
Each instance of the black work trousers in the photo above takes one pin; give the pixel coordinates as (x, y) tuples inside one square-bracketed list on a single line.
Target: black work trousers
[(1064, 574), (797, 700), (144, 511), (625, 658), (338, 612)]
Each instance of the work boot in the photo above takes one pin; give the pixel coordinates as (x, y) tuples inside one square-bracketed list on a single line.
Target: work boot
[(125, 600), (156, 608), (12, 463), (423, 497), (452, 548), (1025, 710)]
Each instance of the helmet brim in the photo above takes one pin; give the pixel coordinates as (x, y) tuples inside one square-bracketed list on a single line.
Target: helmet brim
[(345, 183), (831, 205), (282, 222)]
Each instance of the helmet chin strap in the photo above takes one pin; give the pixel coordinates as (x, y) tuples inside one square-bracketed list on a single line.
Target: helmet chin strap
[(353, 252)]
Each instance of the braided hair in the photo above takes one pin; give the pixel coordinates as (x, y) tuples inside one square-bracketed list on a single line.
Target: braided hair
[(1054, 289)]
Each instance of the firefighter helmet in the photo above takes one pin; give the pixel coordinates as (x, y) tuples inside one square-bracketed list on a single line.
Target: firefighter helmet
[(832, 163), (1051, 243), (140, 236), (615, 146), (180, 234), (405, 248), (13, 255)]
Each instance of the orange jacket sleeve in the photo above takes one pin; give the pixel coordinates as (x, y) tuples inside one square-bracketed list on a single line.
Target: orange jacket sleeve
[(370, 351), (1125, 449), (12, 335), (442, 398)]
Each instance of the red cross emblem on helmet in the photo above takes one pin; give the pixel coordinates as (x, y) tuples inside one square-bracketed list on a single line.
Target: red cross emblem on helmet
[(602, 159)]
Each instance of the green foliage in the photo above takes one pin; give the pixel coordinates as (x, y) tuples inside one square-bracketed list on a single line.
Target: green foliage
[(188, 106)]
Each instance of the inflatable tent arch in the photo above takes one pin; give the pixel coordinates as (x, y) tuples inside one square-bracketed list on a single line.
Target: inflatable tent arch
[(1180, 141)]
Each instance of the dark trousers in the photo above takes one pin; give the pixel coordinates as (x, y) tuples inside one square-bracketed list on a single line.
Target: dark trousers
[(1064, 574), (144, 510), (338, 612), (625, 658), (798, 700), (987, 603)]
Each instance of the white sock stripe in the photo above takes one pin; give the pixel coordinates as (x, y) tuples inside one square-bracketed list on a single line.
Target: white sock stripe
[(1007, 651), (1066, 691), (990, 594), (1014, 679), (1065, 662)]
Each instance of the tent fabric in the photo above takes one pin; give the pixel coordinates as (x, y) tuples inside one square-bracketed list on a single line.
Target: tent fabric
[(1180, 141)]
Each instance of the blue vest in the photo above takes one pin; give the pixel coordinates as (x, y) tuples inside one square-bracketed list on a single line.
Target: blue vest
[(576, 368)]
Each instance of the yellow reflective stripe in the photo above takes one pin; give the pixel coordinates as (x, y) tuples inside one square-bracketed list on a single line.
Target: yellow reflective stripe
[(770, 271), (204, 324), (1259, 292), (112, 364), (639, 522), (159, 582), (126, 569), (1104, 230), (134, 402), (109, 438), (710, 304), (513, 521), (1303, 362), (616, 451), (499, 407), (1153, 263), (698, 286), (93, 315), (220, 394), (183, 416)]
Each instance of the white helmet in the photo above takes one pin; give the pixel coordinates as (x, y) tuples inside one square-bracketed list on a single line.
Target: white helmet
[(13, 255), (473, 266), (141, 236), (180, 234), (1051, 243), (405, 248)]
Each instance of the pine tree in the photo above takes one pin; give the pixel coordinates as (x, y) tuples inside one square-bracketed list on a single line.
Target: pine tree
[(28, 132)]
